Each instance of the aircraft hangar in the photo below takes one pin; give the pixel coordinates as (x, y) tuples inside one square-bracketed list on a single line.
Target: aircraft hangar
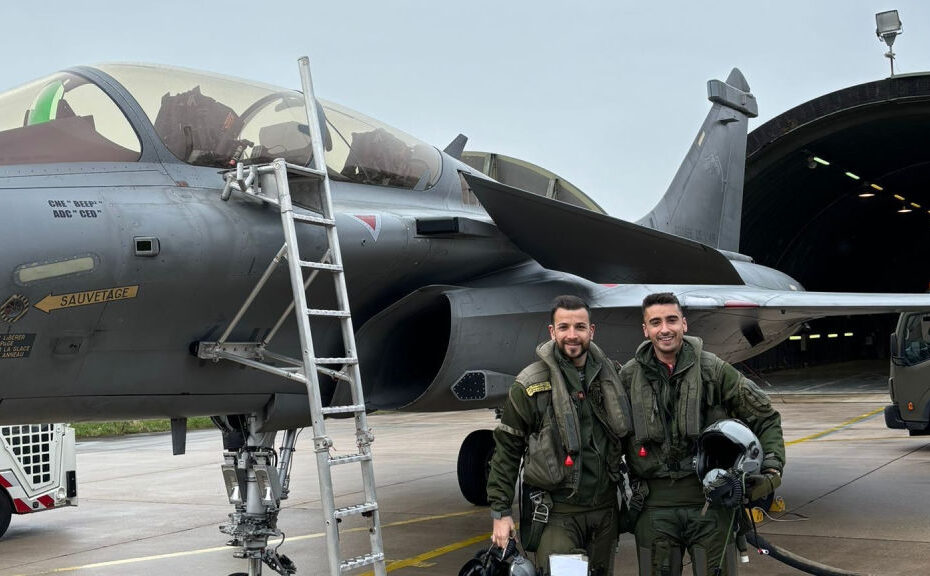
[(837, 195)]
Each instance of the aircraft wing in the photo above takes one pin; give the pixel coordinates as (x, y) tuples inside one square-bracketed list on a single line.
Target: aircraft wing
[(800, 305), (595, 246), (740, 322)]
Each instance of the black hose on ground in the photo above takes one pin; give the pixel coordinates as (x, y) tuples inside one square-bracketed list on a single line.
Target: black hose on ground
[(795, 561)]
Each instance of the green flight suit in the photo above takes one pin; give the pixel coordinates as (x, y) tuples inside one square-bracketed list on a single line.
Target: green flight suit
[(670, 409), (552, 414)]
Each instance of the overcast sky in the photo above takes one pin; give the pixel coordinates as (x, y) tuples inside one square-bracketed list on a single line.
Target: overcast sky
[(608, 94)]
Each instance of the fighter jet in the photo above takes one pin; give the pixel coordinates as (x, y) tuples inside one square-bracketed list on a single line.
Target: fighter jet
[(120, 256)]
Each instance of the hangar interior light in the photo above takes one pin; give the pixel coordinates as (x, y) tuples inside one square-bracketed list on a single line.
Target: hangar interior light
[(865, 187), (887, 27)]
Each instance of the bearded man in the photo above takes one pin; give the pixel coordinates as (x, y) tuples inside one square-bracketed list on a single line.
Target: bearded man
[(564, 417)]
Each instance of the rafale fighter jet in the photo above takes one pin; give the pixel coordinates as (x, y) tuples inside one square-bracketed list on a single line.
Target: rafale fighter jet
[(119, 255)]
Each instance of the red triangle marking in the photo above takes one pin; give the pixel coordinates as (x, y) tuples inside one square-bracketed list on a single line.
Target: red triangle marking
[(370, 221)]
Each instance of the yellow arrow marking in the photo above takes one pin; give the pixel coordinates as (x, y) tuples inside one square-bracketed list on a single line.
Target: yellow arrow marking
[(53, 302)]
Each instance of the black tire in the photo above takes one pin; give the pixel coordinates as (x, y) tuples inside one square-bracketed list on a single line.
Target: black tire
[(6, 511), (474, 464)]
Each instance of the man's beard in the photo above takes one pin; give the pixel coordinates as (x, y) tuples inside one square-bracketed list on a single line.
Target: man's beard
[(582, 345)]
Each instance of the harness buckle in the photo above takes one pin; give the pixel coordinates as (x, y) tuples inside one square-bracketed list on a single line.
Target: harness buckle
[(541, 510)]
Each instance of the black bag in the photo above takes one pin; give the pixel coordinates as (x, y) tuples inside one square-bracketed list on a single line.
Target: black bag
[(496, 562)]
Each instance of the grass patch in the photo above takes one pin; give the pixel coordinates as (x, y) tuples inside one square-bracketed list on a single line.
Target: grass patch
[(122, 428)]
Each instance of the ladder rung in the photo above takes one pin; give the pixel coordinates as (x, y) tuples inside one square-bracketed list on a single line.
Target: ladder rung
[(344, 409), (320, 265), (304, 171), (358, 561), (333, 313), (349, 458), (314, 219), (355, 510), (337, 360)]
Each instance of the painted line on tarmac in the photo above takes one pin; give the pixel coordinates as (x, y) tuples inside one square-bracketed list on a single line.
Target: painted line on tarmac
[(838, 427), (408, 561), (417, 560)]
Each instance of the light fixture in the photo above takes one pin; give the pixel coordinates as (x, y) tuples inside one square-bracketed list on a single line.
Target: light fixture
[(915, 204), (904, 210), (833, 335), (899, 197), (814, 336), (877, 187), (887, 27), (866, 194), (847, 334), (851, 175), (795, 337)]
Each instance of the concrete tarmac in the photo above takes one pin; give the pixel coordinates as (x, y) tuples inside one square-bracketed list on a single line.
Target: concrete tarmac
[(855, 492)]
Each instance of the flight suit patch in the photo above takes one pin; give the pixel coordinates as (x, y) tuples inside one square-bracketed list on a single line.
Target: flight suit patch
[(541, 387)]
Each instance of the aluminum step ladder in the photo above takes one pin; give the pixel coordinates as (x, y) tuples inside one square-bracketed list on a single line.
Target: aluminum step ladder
[(275, 183)]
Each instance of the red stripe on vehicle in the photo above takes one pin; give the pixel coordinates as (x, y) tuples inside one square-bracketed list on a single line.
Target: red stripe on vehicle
[(4, 482), (21, 507), (47, 501)]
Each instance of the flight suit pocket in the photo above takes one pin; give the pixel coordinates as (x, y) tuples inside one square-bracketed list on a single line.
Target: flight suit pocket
[(756, 401), (542, 465)]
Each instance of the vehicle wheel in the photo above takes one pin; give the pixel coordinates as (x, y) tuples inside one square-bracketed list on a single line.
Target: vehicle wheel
[(474, 464), (6, 511)]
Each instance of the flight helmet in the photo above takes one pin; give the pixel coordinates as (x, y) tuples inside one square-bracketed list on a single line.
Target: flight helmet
[(727, 451)]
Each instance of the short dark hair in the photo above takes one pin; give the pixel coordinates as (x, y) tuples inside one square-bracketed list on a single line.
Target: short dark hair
[(568, 302), (660, 298)]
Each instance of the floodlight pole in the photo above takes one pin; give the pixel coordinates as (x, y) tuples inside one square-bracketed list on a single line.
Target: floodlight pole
[(887, 28)]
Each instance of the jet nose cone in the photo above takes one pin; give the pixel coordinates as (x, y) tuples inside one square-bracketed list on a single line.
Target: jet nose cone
[(737, 80)]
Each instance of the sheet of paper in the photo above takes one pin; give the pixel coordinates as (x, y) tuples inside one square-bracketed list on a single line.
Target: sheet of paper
[(568, 565)]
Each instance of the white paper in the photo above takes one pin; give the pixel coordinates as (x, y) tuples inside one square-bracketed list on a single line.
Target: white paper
[(568, 565)]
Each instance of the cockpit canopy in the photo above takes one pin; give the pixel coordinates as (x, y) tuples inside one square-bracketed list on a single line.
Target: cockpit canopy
[(204, 120)]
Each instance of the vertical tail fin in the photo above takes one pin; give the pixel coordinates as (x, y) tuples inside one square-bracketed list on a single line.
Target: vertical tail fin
[(705, 199)]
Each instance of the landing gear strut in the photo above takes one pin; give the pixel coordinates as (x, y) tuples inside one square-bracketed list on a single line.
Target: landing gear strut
[(256, 482)]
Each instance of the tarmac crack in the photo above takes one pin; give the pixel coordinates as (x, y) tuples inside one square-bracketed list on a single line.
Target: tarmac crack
[(861, 476)]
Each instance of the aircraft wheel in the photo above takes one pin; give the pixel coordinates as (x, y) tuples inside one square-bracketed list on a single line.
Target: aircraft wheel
[(6, 511), (474, 464)]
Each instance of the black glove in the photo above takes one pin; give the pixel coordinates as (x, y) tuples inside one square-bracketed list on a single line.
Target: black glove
[(758, 486)]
